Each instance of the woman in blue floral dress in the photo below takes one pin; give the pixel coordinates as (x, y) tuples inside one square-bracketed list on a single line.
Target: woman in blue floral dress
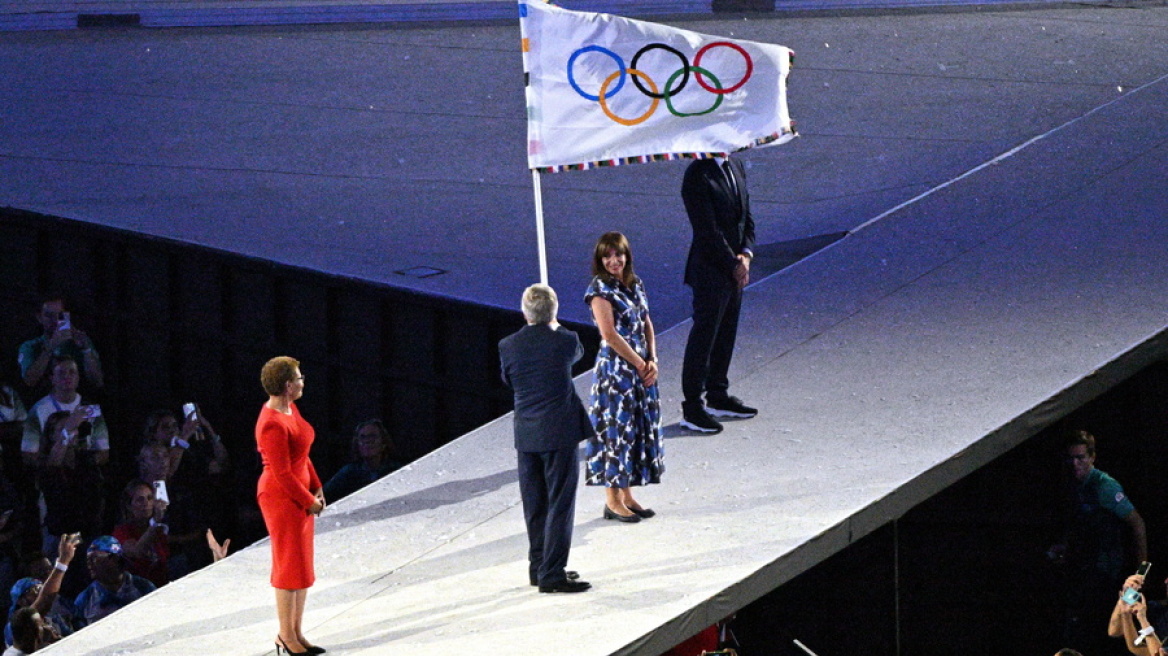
[(625, 409)]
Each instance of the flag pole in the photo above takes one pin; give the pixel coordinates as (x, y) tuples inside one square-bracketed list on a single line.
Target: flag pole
[(543, 272)]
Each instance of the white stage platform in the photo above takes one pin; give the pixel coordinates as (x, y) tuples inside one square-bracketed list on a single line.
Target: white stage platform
[(887, 366)]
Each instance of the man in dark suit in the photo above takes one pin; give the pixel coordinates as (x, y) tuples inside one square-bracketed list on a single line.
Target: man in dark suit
[(549, 422), (718, 267)]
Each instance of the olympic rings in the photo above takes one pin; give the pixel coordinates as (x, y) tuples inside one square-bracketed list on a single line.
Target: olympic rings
[(630, 121), (669, 92)]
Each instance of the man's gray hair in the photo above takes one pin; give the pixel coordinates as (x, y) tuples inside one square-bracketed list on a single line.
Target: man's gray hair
[(540, 304)]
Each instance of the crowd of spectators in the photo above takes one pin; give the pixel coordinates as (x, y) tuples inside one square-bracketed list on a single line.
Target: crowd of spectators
[(141, 519)]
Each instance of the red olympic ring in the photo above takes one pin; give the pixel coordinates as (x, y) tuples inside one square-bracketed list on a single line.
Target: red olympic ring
[(698, 62)]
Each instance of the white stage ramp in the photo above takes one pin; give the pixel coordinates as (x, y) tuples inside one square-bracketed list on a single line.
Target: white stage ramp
[(886, 367)]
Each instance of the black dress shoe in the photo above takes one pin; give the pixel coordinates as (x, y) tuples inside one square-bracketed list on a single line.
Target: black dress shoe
[(630, 519), (566, 586), (643, 513), (572, 576), (730, 406)]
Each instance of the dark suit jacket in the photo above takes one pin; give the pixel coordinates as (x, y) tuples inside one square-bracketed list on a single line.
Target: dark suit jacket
[(537, 366), (722, 224)]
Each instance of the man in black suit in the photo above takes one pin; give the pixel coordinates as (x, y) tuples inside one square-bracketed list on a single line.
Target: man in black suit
[(549, 422), (718, 267)]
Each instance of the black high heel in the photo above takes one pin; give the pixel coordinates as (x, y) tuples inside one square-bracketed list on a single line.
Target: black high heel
[(281, 645), (316, 651)]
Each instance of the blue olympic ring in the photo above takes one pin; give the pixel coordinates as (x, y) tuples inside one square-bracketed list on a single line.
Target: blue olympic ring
[(615, 57)]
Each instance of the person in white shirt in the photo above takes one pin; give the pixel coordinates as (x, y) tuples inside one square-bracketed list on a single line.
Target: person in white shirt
[(86, 420)]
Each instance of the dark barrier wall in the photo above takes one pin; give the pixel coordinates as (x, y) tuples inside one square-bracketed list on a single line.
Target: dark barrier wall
[(175, 322)]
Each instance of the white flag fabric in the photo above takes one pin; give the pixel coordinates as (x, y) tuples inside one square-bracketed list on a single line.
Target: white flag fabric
[(604, 90)]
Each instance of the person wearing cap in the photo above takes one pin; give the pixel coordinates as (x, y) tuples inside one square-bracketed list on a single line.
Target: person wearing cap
[(113, 587), (42, 595)]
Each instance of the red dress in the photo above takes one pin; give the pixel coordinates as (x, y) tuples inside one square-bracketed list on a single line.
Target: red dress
[(285, 494)]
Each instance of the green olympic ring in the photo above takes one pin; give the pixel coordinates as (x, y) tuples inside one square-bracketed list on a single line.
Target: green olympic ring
[(668, 93)]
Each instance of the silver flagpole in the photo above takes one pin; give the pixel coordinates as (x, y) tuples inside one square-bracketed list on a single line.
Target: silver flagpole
[(543, 273)]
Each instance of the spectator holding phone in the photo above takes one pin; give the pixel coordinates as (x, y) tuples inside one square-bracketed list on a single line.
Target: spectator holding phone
[(72, 483), (1135, 615), (160, 444), (59, 337), (191, 463), (194, 441), (42, 596), (143, 533), (86, 421)]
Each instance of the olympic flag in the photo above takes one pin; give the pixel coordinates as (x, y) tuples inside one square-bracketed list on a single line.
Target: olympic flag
[(604, 90)]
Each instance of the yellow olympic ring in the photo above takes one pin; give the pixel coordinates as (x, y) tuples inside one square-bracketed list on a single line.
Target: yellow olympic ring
[(628, 121)]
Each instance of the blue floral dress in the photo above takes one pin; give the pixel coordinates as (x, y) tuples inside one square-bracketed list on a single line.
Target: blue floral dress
[(626, 415)]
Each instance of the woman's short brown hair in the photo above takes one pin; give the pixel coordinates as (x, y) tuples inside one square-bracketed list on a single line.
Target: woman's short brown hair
[(613, 241), (277, 373)]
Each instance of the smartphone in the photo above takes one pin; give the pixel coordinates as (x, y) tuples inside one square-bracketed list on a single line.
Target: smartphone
[(160, 492), (92, 411), (65, 323), (189, 412), (1131, 595)]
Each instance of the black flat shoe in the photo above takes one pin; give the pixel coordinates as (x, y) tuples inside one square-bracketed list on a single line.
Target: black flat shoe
[(629, 519), (572, 576), (643, 513), (566, 586)]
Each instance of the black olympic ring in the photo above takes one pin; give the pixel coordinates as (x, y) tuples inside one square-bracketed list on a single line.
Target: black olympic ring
[(684, 67)]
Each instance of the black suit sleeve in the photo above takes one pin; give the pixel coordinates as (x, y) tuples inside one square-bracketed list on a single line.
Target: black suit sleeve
[(579, 353), (701, 193)]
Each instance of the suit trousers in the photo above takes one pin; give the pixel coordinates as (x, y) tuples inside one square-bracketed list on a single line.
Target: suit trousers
[(547, 484), (711, 342)]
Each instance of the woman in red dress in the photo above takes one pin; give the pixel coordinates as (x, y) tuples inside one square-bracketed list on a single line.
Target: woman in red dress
[(289, 496)]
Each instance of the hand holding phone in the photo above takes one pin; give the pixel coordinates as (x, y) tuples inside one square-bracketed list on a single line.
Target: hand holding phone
[(1131, 594)]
